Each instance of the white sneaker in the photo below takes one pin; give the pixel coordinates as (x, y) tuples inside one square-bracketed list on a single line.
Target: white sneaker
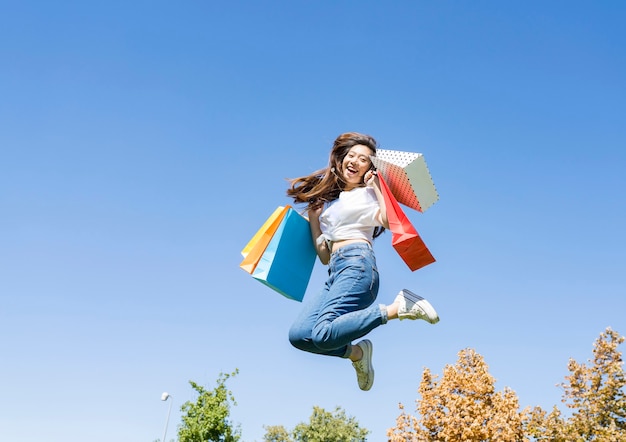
[(413, 306), (363, 367)]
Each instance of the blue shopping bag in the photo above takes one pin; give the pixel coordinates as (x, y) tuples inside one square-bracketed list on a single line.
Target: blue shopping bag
[(287, 263)]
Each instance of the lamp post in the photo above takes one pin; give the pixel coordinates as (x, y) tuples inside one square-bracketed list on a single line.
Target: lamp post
[(165, 396)]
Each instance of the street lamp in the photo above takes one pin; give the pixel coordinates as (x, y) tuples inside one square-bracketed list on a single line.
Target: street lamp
[(165, 396)]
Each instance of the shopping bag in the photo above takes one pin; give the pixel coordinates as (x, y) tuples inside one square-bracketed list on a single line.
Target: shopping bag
[(404, 238), (253, 251), (408, 177), (269, 226), (288, 260)]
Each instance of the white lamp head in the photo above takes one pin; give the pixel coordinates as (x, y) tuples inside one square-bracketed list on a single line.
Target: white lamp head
[(165, 396)]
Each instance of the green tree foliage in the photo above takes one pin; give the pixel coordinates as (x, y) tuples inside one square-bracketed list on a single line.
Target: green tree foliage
[(463, 406), (276, 433), (207, 419), (596, 395), (323, 426)]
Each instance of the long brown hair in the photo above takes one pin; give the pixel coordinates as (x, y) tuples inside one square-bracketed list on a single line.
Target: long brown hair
[(326, 184)]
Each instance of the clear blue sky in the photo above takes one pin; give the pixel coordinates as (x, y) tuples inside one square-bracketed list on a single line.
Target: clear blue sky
[(142, 144)]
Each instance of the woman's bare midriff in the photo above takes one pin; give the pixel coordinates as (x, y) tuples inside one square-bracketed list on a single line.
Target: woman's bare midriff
[(344, 242)]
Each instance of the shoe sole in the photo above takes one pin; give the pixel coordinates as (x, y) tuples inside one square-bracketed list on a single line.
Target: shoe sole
[(430, 311)]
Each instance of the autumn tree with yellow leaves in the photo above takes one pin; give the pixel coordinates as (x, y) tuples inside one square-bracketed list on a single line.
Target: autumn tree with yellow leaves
[(595, 394), (464, 405)]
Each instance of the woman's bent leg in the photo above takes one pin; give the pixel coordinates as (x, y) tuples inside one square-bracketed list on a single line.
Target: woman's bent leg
[(344, 319), (347, 312), (343, 310), (300, 333)]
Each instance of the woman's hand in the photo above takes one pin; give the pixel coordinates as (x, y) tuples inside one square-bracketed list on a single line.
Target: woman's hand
[(315, 209), (370, 177), (371, 180), (315, 212)]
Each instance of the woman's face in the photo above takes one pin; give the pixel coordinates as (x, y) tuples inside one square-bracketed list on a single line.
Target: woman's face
[(355, 164)]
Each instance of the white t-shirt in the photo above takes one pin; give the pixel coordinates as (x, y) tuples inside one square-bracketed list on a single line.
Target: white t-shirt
[(351, 216)]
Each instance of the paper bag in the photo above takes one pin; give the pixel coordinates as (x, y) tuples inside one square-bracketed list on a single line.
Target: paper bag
[(404, 239), (253, 251), (288, 260), (408, 177)]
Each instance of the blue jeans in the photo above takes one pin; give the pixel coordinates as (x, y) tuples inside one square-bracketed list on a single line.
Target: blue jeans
[(343, 311)]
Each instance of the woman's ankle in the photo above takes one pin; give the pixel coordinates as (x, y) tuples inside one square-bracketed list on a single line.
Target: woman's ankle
[(392, 311), (356, 354)]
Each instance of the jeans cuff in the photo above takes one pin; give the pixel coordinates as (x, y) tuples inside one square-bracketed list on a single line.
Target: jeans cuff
[(384, 316), (348, 351)]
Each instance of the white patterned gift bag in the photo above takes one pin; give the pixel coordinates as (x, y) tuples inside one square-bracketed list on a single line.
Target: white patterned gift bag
[(408, 177)]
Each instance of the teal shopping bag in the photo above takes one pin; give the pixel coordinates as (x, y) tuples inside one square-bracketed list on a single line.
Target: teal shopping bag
[(287, 263)]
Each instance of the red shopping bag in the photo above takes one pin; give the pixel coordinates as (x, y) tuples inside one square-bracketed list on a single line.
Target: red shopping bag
[(405, 239)]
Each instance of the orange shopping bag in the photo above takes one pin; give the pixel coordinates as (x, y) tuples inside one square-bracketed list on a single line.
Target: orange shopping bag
[(405, 239), (253, 251)]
